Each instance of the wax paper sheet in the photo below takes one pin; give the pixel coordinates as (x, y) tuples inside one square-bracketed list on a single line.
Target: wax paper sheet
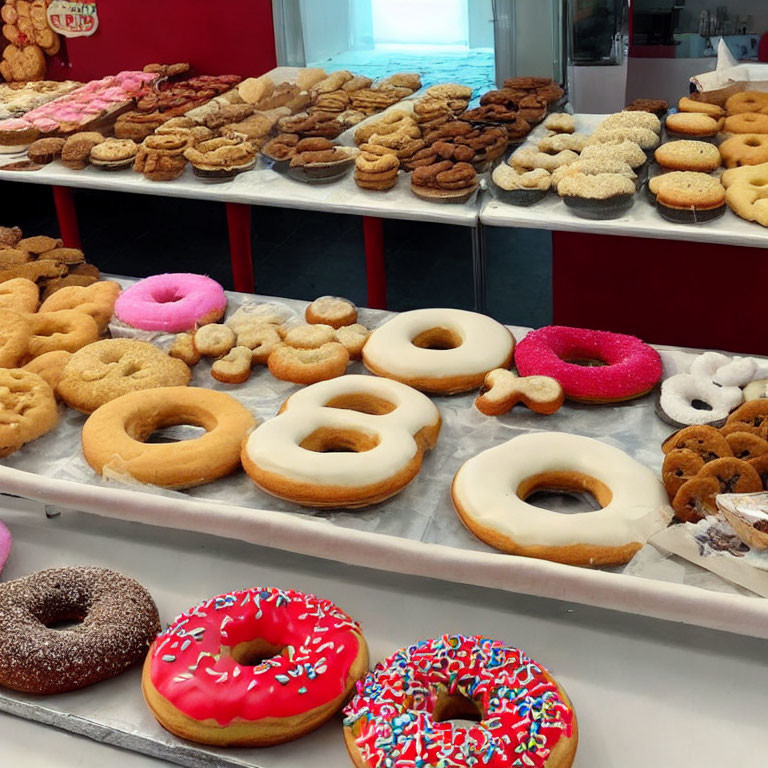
[(423, 511)]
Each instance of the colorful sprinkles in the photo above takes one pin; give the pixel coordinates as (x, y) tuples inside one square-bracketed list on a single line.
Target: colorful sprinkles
[(194, 669), (523, 712)]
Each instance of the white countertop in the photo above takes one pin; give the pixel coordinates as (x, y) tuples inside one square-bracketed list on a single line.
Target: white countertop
[(646, 692)]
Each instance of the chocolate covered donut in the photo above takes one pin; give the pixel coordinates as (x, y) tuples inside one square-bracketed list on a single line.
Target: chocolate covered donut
[(117, 619)]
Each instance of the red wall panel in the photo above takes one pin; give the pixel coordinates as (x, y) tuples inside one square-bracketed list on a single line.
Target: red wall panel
[(215, 36)]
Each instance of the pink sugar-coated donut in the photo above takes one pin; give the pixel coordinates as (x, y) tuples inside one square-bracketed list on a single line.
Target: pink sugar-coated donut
[(5, 545), (171, 302), (631, 368)]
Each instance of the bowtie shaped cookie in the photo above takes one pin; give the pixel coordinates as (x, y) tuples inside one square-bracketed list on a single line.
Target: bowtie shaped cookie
[(504, 389)]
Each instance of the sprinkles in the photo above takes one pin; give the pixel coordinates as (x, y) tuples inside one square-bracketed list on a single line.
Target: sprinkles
[(523, 712)]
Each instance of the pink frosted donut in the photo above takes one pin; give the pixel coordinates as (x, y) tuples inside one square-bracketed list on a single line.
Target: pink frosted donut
[(627, 367), (174, 302), (5, 545)]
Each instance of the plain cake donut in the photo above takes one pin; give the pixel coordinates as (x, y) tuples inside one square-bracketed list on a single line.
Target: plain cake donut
[(114, 436), (490, 489), (117, 622), (252, 668), (347, 442), (444, 351)]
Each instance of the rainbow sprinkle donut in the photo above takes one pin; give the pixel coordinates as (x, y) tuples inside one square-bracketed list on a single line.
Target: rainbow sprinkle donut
[(400, 717), (626, 367)]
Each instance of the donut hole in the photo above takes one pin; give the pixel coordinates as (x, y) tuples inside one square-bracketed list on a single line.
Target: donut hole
[(176, 434), (166, 294), (700, 405), (753, 143), (565, 492), (65, 623), (437, 338), (251, 653), (169, 427), (460, 710), (328, 440), (362, 403), (584, 360)]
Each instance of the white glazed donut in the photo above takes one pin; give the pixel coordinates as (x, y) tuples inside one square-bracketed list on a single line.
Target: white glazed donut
[(490, 489), (706, 364), (346, 442), (680, 391), (439, 350)]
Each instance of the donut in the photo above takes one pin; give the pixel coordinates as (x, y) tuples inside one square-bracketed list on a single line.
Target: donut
[(252, 668), (110, 368), (117, 621), (114, 434), (746, 101), (331, 310), (347, 442), (630, 369), (686, 399), (444, 351), (400, 716), (6, 542), (171, 302), (490, 490), (744, 149), (746, 122)]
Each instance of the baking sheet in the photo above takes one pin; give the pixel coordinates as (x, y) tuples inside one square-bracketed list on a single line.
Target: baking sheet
[(418, 530), (620, 670), (641, 220)]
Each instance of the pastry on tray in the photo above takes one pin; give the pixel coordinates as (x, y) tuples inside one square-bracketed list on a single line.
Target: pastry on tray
[(113, 154), (445, 182), (221, 158), (688, 197), (599, 196), (520, 187)]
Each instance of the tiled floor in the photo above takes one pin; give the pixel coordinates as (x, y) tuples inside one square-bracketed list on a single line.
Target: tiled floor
[(297, 253), (435, 64)]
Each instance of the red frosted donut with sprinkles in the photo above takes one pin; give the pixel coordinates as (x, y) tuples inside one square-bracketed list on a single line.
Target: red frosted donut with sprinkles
[(591, 366), (253, 668), (400, 717)]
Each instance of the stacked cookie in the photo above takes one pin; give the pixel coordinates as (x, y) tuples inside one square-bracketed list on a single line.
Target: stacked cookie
[(44, 261), (376, 171)]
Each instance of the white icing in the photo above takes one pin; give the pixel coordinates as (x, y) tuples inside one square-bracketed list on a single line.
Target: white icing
[(679, 391), (486, 344), (486, 488), (275, 445)]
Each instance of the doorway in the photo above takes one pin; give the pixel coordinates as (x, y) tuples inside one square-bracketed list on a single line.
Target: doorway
[(442, 40)]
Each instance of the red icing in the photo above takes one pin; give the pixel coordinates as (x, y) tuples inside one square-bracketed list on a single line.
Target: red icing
[(191, 666), (633, 367), (523, 713)]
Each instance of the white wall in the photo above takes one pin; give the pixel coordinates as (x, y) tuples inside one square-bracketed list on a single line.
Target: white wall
[(480, 17), (326, 28)]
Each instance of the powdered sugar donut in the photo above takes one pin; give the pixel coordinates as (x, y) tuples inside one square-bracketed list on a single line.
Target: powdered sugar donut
[(346, 442), (490, 490), (680, 393), (6, 542), (172, 302), (631, 367), (400, 717), (251, 668), (445, 351)]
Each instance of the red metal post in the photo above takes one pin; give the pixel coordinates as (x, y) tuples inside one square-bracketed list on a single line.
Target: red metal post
[(239, 224), (67, 216), (373, 233)]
